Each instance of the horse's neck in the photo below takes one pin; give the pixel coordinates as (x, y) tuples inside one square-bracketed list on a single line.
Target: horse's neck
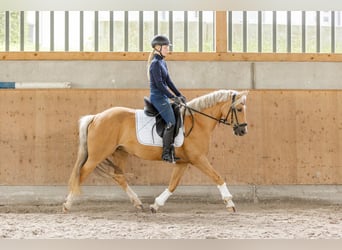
[(207, 123)]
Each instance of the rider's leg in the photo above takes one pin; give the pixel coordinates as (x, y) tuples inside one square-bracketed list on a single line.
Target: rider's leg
[(167, 154), (165, 110)]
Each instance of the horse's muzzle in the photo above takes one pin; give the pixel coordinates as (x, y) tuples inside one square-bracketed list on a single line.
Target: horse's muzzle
[(240, 129)]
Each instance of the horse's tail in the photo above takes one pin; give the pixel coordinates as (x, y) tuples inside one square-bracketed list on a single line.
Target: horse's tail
[(82, 155)]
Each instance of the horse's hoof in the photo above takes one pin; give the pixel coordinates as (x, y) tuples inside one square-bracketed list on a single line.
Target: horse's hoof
[(153, 209), (231, 209), (230, 205), (140, 207), (65, 209)]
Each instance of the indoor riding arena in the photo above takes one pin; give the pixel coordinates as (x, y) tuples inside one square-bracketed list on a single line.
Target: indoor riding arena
[(275, 148)]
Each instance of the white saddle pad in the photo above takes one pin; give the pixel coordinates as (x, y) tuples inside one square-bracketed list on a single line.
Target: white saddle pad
[(144, 132)]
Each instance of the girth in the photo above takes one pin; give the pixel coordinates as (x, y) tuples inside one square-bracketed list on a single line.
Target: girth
[(160, 124)]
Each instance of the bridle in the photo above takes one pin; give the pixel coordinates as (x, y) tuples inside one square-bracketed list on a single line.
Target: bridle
[(232, 112)]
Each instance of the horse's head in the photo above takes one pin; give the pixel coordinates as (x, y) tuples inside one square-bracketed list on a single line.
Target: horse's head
[(235, 113)]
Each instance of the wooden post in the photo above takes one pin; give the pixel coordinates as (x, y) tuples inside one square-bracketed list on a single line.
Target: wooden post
[(221, 31)]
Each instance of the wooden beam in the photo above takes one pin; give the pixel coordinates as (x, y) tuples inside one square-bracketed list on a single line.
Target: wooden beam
[(221, 31), (103, 56), (174, 56)]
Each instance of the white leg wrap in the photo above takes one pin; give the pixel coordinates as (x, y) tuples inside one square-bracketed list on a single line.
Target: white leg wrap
[(224, 191), (161, 199)]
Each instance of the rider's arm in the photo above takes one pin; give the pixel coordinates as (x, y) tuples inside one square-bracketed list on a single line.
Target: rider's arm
[(172, 86)]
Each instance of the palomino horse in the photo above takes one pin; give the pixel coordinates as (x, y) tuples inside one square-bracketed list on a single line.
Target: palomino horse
[(109, 138)]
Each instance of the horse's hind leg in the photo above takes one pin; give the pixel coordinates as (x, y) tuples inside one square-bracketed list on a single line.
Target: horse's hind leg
[(94, 158), (118, 162), (121, 180), (86, 169)]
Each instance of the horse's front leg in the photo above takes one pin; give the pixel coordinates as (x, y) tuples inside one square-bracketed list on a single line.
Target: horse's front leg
[(203, 164), (227, 197), (177, 173)]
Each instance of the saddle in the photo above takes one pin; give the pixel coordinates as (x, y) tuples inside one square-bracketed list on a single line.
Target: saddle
[(160, 124)]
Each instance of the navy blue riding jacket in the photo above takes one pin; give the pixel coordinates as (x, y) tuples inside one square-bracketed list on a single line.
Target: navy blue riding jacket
[(160, 80)]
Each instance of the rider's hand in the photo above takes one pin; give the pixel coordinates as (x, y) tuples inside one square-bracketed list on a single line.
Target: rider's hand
[(183, 99), (177, 100)]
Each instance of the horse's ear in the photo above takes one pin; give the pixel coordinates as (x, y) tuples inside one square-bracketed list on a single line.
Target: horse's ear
[(245, 92), (242, 95)]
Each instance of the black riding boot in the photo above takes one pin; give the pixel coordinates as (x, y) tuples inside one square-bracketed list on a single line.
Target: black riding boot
[(168, 151)]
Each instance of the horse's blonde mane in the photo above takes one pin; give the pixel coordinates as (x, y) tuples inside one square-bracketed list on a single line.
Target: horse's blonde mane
[(209, 100)]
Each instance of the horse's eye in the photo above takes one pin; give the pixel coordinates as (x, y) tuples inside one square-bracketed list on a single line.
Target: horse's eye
[(239, 110)]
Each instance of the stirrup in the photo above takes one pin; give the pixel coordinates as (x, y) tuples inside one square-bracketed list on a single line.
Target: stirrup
[(171, 158), (168, 158), (173, 154), (176, 158)]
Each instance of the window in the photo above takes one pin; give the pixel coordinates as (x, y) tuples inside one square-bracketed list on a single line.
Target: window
[(193, 31)]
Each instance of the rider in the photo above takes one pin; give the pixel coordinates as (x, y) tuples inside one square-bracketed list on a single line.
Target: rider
[(161, 89)]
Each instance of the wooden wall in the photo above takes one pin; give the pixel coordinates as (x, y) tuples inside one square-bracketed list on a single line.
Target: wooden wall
[(293, 138)]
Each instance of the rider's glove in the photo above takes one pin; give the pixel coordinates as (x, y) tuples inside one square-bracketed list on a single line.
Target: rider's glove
[(177, 100), (183, 99)]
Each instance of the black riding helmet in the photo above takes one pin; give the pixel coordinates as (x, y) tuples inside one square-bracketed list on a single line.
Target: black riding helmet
[(160, 40)]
